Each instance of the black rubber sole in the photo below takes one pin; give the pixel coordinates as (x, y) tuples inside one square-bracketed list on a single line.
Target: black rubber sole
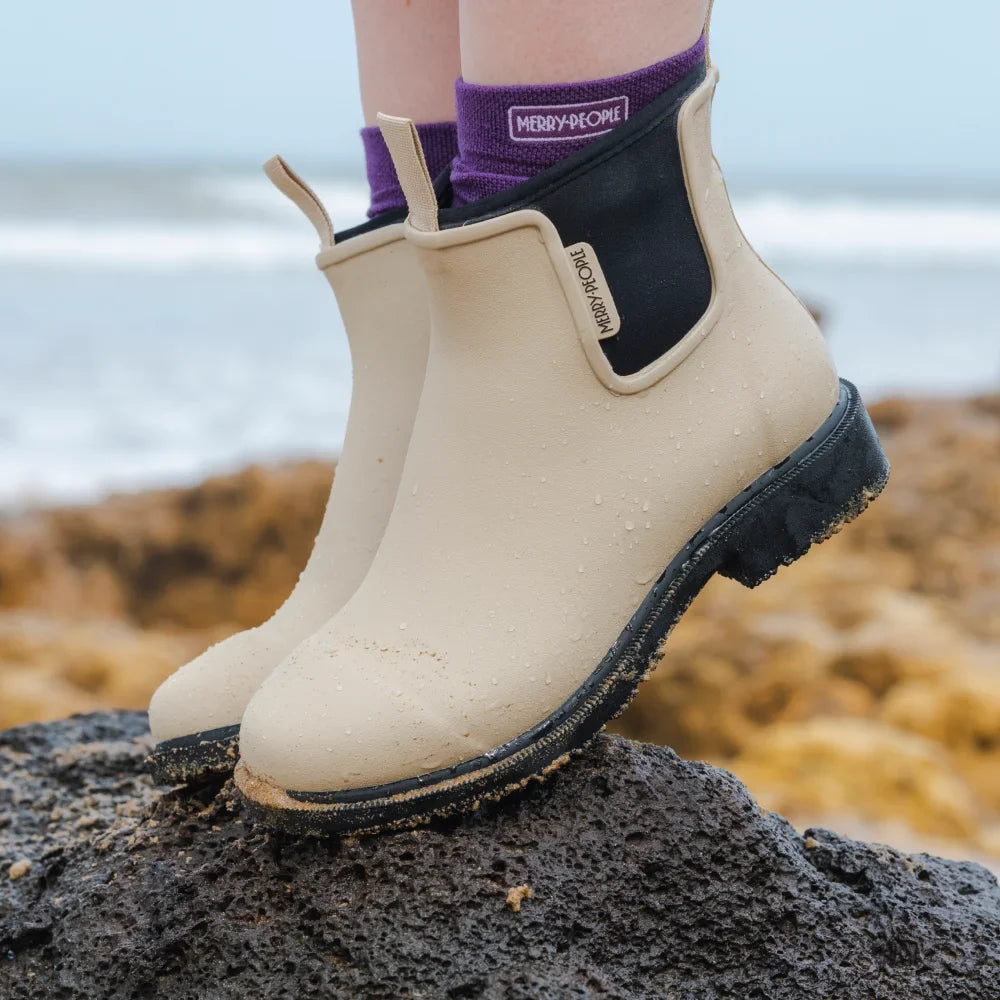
[(825, 483), (194, 757)]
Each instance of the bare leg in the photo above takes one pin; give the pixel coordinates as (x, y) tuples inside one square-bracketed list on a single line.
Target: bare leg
[(552, 41), (408, 57)]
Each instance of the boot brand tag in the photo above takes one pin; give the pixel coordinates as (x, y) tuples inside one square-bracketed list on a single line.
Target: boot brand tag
[(558, 122), (596, 293)]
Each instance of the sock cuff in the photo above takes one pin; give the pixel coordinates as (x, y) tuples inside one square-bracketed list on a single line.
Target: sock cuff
[(440, 144), (528, 127)]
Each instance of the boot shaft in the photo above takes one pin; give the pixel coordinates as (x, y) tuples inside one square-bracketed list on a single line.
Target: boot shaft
[(632, 242), (381, 294)]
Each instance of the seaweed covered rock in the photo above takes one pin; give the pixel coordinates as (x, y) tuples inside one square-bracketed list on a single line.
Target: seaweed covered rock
[(222, 554), (630, 873)]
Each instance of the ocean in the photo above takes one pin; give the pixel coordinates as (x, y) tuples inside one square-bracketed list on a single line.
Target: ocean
[(158, 326)]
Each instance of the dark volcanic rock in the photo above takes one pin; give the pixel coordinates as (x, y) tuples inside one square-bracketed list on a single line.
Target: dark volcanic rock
[(651, 877)]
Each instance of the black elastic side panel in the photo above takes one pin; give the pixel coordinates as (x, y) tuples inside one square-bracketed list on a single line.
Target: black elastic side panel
[(625, 195)]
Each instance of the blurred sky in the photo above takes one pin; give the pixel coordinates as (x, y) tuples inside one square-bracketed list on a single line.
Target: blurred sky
[(898, 88)]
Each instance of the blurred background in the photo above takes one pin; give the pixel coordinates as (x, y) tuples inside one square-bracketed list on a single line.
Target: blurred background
[(174, 377)]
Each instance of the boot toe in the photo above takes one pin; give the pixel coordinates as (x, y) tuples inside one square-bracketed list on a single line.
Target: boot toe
[(331, 717), (210, 691)]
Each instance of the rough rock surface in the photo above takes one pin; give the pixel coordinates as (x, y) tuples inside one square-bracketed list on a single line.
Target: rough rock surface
[(649, 877)]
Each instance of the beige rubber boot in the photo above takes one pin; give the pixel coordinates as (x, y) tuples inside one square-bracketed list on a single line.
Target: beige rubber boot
[(621, 400), (195, 714)]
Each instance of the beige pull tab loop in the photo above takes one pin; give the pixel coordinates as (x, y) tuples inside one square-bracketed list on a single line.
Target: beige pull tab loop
[(401, 137), (707, 33), (288, 182)]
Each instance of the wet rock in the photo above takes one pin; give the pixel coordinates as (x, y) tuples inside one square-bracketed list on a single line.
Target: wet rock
[(649, 877)]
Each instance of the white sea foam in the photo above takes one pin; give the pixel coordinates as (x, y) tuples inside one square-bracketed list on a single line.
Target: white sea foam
[(150, 245), (346, 200), (253, 227), (889, 232), (258, 229)]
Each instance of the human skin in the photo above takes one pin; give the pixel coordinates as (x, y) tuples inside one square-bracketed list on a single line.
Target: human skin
[(553, 41), (408, 58), (411, 51)]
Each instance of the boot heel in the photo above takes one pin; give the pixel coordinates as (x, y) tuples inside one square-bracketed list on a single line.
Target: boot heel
[(827, 482)]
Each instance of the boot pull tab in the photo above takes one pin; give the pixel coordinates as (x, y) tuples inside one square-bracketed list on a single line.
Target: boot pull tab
[(707, 33), (288, 182), (407, 154)]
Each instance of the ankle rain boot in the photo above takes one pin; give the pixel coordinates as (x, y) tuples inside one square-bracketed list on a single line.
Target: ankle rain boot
[(621, 400), (195, 714)]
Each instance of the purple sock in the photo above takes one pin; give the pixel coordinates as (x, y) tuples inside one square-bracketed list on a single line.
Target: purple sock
[(440, 148), (508, 134)]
